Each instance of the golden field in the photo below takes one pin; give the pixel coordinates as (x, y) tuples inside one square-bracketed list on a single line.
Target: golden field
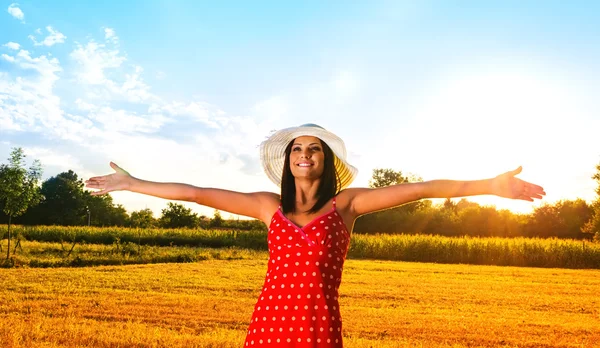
[(383, 303)]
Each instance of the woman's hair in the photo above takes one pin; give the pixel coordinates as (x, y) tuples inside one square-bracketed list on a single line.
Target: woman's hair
[(328, 188)]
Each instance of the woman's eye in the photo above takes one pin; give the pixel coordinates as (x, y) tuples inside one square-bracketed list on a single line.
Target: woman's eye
[(296, 149), (316, 148)]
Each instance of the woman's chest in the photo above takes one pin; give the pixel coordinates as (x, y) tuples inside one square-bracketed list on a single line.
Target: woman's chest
[(324, 231)]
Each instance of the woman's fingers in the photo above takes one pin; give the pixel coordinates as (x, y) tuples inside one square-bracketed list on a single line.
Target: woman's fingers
[(516, 171), (533, 187), (114, 166), (99, 193), (95, 182), (118, 169), (105, 183)]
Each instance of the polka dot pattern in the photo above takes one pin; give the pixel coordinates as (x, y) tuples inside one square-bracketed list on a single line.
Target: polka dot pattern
[(298, 305)]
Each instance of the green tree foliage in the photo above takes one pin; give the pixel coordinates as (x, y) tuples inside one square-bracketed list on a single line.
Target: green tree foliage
[(217, 220), (563, 219), (63, 203), (389, 219), (597, 178), (143, 219), (383, 177), (480, 221), (177, 216), (103, 212), (592, 227), (66, 203), (18, 187), (247, 225)]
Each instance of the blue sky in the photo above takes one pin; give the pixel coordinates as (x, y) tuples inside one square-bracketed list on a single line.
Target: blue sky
[(186, 91)]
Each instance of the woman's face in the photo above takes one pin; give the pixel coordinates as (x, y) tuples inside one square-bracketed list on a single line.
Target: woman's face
[(307, 159)]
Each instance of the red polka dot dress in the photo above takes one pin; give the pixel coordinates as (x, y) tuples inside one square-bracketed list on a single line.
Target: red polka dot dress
[(298, 305)]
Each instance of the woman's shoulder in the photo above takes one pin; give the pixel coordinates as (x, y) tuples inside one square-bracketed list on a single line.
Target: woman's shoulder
[(269, 200), (349, 193), (344, 198)]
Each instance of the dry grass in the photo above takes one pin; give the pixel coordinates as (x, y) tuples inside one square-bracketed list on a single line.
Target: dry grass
[(384, 304)]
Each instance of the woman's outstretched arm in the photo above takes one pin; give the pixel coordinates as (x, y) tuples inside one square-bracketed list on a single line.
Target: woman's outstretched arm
[(364, 201), (259, 205)]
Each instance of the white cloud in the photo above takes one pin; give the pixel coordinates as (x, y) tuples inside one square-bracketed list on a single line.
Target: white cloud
[(47, 69), (6, 122), (125, 121), (96, 62), (134, 87), (15, 11), (132, 134), (93, 59), (54, 37), (29, 104), (82, 105), (198, 111), (49, 157), (8, 58), (12, 45), (110, 35)]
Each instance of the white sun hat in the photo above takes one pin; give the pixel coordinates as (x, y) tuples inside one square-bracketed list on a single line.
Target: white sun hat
[(272, 152)]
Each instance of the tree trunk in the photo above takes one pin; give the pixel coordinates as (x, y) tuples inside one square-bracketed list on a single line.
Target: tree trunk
[(8, 249)]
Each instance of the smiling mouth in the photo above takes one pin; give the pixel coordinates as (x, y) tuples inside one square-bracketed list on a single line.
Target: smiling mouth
[(304, 165)]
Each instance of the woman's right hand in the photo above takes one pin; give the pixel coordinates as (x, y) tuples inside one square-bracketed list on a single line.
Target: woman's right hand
[(120, 180)]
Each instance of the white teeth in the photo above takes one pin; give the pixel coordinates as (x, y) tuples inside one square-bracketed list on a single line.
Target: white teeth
[(304, 165)]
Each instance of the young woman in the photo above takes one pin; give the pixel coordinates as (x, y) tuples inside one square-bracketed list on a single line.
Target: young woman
[(309, 226)]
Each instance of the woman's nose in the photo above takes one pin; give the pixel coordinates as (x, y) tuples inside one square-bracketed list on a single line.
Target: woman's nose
[(306, 153)]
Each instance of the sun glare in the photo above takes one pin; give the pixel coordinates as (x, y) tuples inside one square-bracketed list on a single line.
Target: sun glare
[(489, 123)]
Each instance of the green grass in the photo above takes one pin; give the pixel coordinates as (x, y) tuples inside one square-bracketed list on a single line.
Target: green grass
[(151, 236), (38, 254), (142, 246), (524, 252)]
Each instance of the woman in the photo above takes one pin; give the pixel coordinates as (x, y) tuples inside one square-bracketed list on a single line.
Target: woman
[(309, 226)]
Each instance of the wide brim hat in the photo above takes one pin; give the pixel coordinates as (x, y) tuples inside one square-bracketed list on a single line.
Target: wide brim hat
[(272, 152)]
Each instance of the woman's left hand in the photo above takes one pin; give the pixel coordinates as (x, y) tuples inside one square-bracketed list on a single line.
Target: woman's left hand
[(506, 185)]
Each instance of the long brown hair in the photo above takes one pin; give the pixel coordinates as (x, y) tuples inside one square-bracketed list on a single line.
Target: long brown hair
[(328, 188)]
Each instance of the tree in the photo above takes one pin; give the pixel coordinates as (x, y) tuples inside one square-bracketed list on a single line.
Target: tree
[(563, 219), (64, 201), (103, 212), (386, 177), (177, 216), (18, 187), (389, 177), (217, 220), (142, 219), (398, 219), (592, 227)]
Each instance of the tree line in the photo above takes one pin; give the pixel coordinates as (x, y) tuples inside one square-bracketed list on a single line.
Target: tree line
[(576, 219), (62, 200)]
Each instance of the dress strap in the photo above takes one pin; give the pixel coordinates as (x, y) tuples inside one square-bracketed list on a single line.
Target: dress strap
[(333, 202)]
